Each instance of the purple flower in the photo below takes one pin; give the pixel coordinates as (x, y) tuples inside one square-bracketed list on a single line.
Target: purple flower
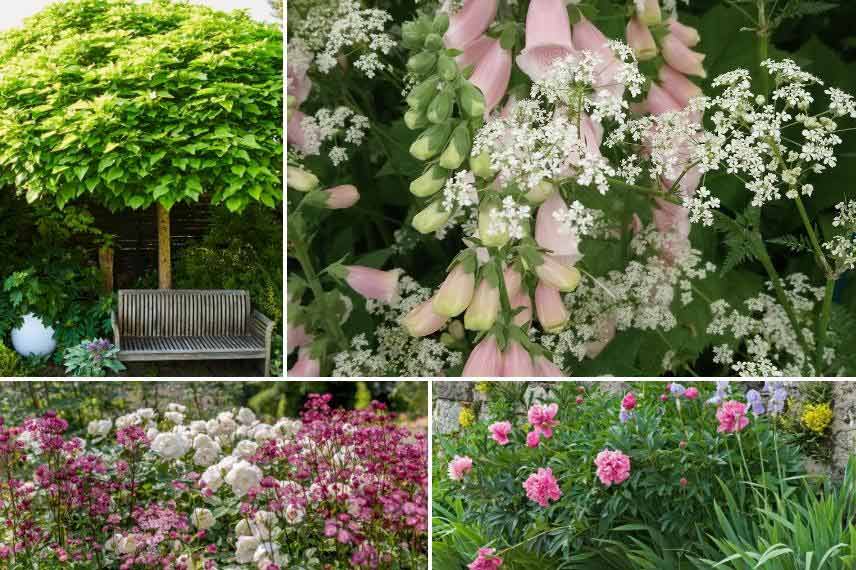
[(624, 415), (677, 389), (723, 388), (754, 399)]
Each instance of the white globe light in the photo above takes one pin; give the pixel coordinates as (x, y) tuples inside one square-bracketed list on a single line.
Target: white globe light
[(33, 338)]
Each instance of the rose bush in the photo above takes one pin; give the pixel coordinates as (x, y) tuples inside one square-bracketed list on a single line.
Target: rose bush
[(157, 489)]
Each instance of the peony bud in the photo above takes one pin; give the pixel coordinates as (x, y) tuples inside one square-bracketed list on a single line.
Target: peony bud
[(373, 283), (431, 141), (678, 86), (455, 293), (562, 277), (491, 75), (480, 165), (484, 360), (687, 34), (429, 183), (548, 37), (458, 148), (482, 312), (545, 368), (300, 180), (470, 22), (650, 12), (550, 309), (533, 438), (430, 219), (681, 57), (640, 40), (516, 361), (422, 320)]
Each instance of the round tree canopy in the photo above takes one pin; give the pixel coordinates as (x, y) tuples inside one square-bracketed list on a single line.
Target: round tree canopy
[(138, 103)]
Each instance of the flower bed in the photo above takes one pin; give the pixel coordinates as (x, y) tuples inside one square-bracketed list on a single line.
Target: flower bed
[(333, 489)]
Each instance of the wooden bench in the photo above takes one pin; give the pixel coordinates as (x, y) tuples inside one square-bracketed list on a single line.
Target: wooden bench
[(176, 324)]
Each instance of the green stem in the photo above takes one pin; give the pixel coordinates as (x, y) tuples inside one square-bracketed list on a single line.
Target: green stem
[(763, 46), (823, 325), (812, 236)]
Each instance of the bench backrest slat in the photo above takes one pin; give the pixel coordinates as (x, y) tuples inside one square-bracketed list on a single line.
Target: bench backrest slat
[(183, 312)]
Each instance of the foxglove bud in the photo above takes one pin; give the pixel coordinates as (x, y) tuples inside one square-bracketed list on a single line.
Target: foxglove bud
[(415, 119), (456, 329), (487, 210), (480, 165), (434, 42), (431, 141), (562, 277), (422, 320), (440, 109), (336, 198), (422, 62), (421, 95), (550, 309), (472, 100), (440, 23), (650, 12), (301, 180), (431, 218), (640, 40), (516, 361), (681, 57), (456, 292), (372, 283), (447, 67), (541, 192), (413, 33), (484, 360), (458, 148), (482, 312), (430, 182), (687, 34)]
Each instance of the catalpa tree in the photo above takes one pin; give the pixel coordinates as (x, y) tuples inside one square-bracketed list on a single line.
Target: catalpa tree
[(142, 105)]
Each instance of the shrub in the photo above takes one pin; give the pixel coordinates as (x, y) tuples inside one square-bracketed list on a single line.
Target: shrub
[(93, 358), (8, 361)]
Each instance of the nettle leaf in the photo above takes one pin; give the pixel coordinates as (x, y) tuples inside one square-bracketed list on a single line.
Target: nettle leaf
[(123, 100)]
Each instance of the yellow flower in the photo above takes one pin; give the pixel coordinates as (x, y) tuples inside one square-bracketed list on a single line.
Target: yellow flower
[(817, 417), (466, 417), (483, 387)]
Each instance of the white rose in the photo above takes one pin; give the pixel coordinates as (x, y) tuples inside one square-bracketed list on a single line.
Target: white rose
[(127, 544), (170, 445), (245, 449), (175, 417), (294, 514), (99, 427), (203, 440), (197, 426), (202, 519), (266, 554), (212, 426), (263, 432), (146, 413), (212, 478), (127, 420), (242, 432), (246, 416), (243, 528), (173, 407), (242, 477), (246, 548), (226, 425), (206, 456)]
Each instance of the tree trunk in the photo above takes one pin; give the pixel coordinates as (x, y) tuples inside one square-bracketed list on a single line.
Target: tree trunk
[(105, 261), (164, 253)]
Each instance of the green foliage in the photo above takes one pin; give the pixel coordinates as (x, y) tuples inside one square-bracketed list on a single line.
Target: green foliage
[(649, 521), (137, 103), (8, 361)]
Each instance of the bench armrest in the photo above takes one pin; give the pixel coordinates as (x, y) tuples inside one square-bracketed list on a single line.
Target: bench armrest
[(262, 326), (114, 320)]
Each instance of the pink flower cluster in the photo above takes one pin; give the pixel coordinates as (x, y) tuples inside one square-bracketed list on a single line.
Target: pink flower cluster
[(543, 419), (485, 560), (613, 467), (542, 487), (459, 467)]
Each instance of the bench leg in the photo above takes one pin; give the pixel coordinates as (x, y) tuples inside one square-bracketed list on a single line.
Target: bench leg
[(266, 365)]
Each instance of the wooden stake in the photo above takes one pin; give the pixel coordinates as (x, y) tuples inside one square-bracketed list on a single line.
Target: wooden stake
[(105, 262), (164, 252)]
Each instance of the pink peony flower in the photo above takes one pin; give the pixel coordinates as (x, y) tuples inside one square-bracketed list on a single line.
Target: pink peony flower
[(691, 393), (533, 438), (543, 418), (613, 467), (541, 487), (499, 432), (459, 467), (732, 417), (629, 401), (485, 560)]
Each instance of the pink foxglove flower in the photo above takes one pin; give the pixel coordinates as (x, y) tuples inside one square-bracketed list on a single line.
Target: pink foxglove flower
[(422, 320), (562, 276), (659, 101), (641, 40), (484, 360), (589, 38), (513, 280), (340, 197), (455, 293), (548, 37), (550, 308), (491, 75), (475, 51), (543, 418), (533, 439), (688, 35), (459, 467), (549, 231), (306, 366), (296, 336), (613, 467), (677, 85), (521, 299), (732, 417), (485, 560), (545, 368), (483, 310), (682, 58), (542, 487), (298, 84), (468, 23), (373, 283), (499, 432), (294, 131), (649, 11), (516, 361), (605, 333)]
